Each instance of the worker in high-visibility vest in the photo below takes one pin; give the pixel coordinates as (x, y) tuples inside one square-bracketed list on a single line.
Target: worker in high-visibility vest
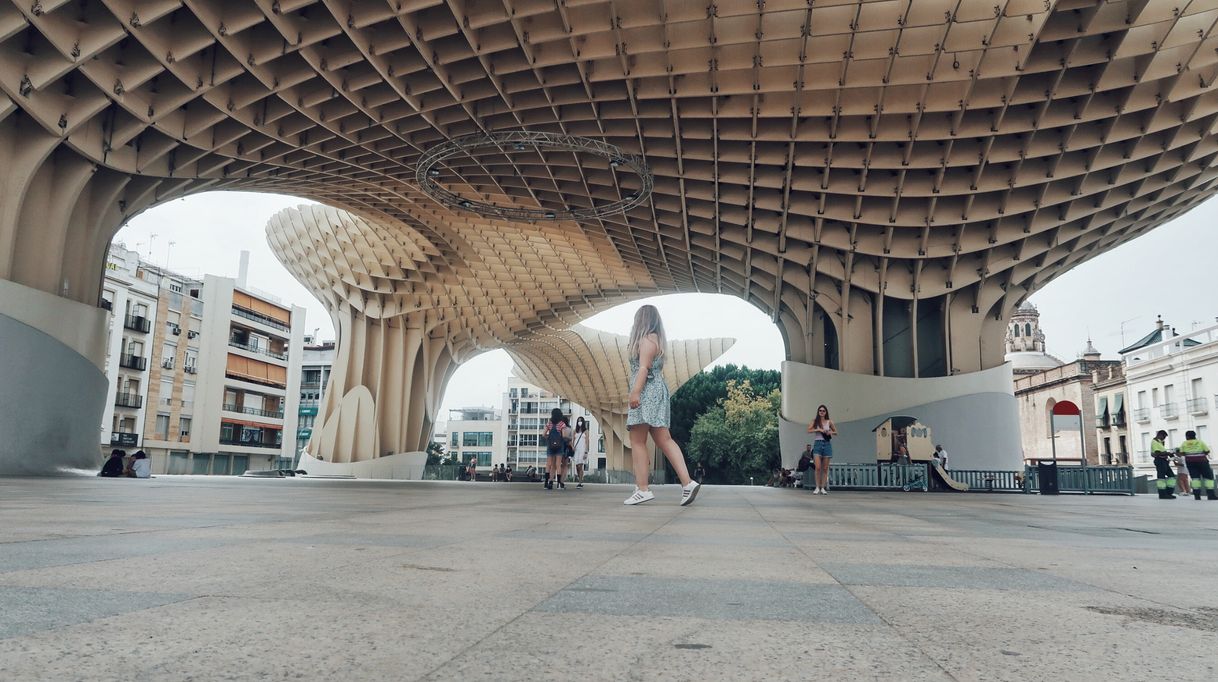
[(1197, 458), (1166, 482)]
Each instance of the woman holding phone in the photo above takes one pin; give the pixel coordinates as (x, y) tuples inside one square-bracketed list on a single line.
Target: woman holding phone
[(823, 430)]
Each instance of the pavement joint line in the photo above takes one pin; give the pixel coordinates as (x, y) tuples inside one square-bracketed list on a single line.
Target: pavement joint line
[(887, 623), (523, 613), (965, 551)]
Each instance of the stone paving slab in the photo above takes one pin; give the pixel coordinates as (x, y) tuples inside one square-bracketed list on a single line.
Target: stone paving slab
[(218, 578)]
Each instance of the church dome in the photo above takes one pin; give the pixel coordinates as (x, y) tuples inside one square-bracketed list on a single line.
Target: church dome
[(1033, 361)]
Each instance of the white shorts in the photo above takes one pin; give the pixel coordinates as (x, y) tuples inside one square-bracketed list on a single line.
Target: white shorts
[(581, 457)]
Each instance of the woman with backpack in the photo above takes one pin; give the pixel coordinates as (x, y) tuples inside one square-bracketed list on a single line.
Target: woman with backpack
[(650, 411), (557, 437)]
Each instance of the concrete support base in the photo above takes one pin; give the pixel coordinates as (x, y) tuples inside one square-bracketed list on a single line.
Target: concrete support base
[(973, 415), (404, 466), (52, 386)]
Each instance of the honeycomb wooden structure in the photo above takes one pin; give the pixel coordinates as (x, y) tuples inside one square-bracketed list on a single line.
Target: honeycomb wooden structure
[(886, 179)]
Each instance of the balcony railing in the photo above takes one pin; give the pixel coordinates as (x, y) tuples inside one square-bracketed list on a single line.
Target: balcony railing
[(133, 361), (248, 314), (1198, 406), (228, 441), (137, 323), (1141, 415), (310, 384), (255, 349), (129, 400), (260, 413), (1169, 410)]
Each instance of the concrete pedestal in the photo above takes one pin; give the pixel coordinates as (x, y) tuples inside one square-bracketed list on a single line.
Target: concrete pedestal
[(52, 385), (973, 415)]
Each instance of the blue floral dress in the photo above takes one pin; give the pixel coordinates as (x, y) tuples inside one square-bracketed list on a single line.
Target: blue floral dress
[(654, 406)]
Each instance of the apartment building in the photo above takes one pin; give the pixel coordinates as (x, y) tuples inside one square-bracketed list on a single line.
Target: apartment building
[(476, 432), (526, 408), (1171, 383), (129, 292), (316, 361), (203, 373)]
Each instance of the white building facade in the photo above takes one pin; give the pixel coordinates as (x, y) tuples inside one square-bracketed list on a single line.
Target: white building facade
[(526, 409), (316, 361), (131, 297), (1171, 384), (476, 433)]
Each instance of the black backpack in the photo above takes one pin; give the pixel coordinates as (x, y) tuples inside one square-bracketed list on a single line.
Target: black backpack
[(555, 443)]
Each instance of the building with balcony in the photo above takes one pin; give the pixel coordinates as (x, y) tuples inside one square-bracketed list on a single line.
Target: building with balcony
[(129, 293), (1170, 383), (203, 374), (1111, 415), (316, 361), (526, 409), (476, 433)]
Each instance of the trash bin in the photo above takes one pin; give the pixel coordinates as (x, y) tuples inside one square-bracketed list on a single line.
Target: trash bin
[(1046, 474)]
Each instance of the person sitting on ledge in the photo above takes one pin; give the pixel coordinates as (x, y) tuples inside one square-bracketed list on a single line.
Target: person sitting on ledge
[(113, 468), (141, 466)]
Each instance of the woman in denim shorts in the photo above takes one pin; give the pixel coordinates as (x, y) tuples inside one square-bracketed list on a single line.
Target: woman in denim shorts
[(822, 429)]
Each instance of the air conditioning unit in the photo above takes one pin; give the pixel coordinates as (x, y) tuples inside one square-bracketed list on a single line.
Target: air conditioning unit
[(177, 331), (167, 364), (190, 369), (191, 334)]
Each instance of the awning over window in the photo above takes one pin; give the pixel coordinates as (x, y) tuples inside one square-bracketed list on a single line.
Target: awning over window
[(1118, 404), (1101, 414)]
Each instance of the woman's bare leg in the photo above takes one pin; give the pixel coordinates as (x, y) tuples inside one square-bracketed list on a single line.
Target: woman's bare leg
[(639, 461), (672, 451)]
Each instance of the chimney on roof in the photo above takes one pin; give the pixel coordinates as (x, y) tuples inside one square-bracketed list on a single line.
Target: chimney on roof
[(243, 270), (1158, 322)]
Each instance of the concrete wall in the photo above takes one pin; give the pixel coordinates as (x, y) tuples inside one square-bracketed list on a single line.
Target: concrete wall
[(52, 386), (402, 466), (973, 415)]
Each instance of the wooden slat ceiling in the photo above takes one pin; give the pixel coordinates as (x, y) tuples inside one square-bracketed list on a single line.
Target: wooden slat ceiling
[(909, 147)]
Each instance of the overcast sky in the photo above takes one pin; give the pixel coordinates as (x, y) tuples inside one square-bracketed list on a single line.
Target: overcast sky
[(1112, 298)]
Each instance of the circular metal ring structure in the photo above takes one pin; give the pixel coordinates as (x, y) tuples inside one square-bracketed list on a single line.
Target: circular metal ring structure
[(519, 140)]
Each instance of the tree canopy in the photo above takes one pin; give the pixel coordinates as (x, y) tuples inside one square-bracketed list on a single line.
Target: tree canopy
[(706, 389), (738, 438)]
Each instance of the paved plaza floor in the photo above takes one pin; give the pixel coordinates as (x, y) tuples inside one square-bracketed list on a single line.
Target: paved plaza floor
[(199, 578)]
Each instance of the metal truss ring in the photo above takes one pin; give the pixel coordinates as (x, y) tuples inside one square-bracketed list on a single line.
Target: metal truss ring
[(519, 140)]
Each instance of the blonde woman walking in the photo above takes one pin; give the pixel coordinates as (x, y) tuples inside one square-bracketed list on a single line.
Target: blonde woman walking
[(650, 411)]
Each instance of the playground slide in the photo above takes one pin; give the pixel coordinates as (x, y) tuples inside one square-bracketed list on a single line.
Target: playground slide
[(946, 479)]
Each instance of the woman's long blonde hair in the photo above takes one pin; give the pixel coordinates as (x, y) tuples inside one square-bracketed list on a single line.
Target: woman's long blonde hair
[(647, 321)]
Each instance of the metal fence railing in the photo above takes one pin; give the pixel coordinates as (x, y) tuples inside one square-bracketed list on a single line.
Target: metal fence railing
[(989, 480), (874, 477), (456, 472), (1086, 479)]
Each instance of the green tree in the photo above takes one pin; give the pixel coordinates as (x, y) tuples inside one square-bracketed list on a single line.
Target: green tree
[(705, 389), (738, 438), (435, 453)]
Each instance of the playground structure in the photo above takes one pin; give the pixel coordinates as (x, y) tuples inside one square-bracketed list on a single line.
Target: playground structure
[(902, 439)]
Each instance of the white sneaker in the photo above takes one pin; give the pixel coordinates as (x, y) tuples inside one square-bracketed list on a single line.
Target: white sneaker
[(640, 496), (816, 492), (689, 492), (824, 491)]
